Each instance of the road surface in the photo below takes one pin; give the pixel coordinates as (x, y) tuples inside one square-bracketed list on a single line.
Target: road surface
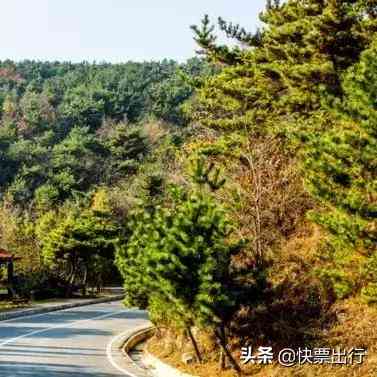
[(69, 343)]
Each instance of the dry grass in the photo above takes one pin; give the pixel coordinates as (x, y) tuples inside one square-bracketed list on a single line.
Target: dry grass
[(355, 327), (287, 322), (166, 351), (268, 203), (8, 305)]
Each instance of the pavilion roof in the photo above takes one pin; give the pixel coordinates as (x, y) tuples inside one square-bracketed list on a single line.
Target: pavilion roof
[(6, 256)]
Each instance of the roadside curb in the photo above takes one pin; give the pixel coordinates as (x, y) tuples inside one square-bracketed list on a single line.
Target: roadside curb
[(127, 341), (53, 308), (117, 351), (161, 369)]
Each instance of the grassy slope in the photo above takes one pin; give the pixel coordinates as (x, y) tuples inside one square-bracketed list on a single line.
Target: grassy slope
[(347, 323), (356, 327)]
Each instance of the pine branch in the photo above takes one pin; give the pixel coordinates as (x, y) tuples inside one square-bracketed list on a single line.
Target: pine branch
[(235, 31), (206, 39)]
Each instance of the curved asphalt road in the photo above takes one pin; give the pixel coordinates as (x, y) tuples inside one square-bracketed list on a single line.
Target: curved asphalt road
[(68, 343)]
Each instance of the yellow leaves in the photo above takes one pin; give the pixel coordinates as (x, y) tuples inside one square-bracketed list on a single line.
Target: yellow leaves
[(9, 107), (100, 201)]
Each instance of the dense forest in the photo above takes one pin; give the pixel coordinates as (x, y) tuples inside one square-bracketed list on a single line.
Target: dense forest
[(236, 193), (73, 138)]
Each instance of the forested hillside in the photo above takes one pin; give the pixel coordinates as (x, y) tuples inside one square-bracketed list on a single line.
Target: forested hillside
[(63, 124), (70, 134), (237, 193)]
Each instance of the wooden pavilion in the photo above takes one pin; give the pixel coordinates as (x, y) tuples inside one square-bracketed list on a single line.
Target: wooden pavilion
[(7, 259)]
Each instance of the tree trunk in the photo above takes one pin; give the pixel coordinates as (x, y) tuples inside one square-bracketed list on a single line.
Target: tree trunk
[(10, 284), (84, 282), (222, 360), (71, 281), (256, 180), (195, 344), (99, 284), (221, 336)]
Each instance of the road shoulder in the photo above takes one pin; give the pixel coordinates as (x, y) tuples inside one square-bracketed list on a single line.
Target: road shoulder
[(53, 307)]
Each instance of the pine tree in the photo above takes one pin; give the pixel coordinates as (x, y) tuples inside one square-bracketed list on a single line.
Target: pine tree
[(288, 79), (342, 162), (341, 169), (180, 257), (282, 71), (127, 146), (77, 239)]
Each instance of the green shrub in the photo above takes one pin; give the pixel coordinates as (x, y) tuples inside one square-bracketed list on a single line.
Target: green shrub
[(335, 282)]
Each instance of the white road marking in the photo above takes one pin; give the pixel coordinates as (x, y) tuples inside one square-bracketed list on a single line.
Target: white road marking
[(62, 326), (108, 348)]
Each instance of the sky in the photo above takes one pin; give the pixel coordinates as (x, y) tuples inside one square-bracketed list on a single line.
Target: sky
[(111, 30)]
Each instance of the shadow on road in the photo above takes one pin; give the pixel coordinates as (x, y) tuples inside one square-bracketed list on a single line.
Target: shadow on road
[(64, 344)]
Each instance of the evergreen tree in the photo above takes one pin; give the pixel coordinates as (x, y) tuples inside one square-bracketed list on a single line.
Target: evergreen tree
[(342, 163), (127, 146), (282, 71), (341, 168), (77, 162), (180, 257), (75, 241)]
